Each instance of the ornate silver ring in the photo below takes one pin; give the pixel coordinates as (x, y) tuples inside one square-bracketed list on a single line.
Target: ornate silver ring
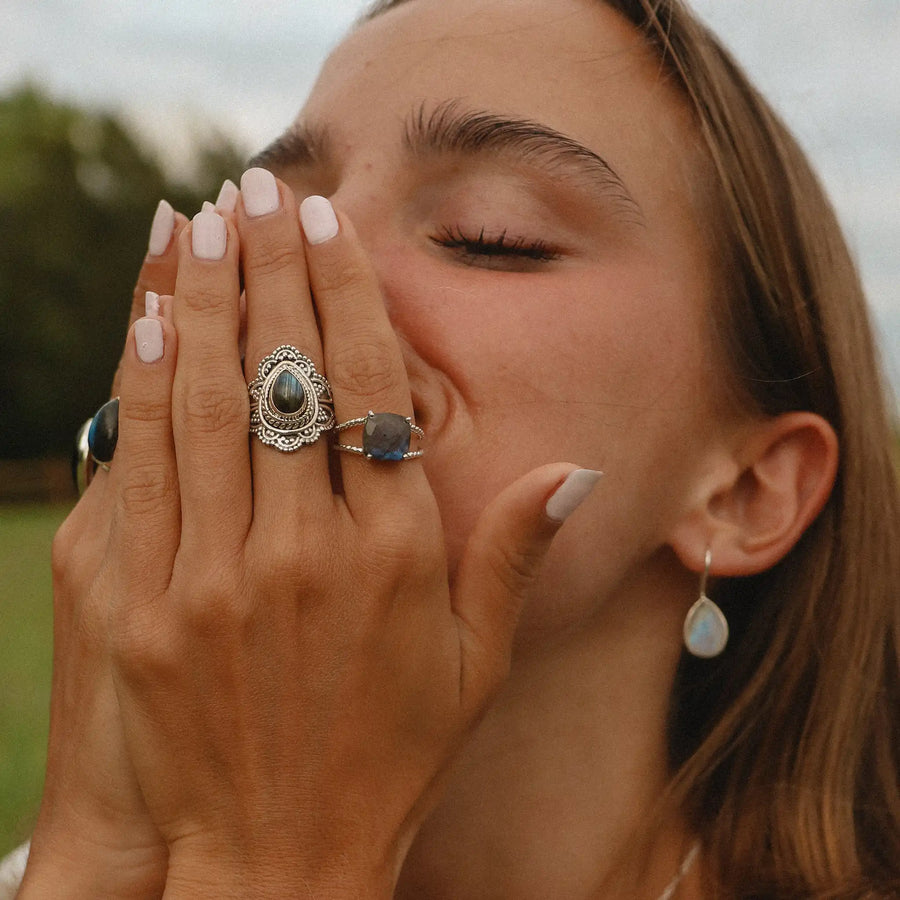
[(385, 436), (290, 402)]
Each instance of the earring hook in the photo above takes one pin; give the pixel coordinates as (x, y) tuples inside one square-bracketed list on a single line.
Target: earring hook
[(707, 561)]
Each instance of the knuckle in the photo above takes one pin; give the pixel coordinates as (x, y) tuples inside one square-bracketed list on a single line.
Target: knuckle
[(204, 299), (62, 552), (394, 552), (513, 567), (215, 604), (284, 567), (341, 277), (140, 645), (145, 485), (272, 258), (76, 549), (144, 411), (63, 542), (364, 367), (397, 540), (209, 409)]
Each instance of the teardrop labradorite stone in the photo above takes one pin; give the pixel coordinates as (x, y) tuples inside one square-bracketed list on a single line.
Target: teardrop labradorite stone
[(288, 394), (104, 431)]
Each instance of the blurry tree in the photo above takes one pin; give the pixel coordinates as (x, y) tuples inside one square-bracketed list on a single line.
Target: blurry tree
[(77, 194)]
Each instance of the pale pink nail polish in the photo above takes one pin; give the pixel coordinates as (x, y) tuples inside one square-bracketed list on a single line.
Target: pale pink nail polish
[(148, 340), (319, 222), (571, 493), (161, 229), (208, 206), (227, 199), (260, 192), (151, 304), (209, 236)]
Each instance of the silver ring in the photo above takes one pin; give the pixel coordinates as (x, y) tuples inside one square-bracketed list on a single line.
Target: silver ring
[(290, 402), (83, 465), (385, 436)]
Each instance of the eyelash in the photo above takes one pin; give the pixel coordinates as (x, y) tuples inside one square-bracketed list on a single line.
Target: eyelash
[(499, 246)]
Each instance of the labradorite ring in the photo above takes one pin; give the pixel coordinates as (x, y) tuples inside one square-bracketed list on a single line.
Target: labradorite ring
[(290, 402), (95, 444), (83, 466), (385, 436)]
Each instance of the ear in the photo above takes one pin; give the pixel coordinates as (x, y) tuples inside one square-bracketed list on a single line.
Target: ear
[(760, 497)]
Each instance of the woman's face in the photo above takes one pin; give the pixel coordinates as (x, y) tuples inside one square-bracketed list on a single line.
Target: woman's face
[(520, 175)]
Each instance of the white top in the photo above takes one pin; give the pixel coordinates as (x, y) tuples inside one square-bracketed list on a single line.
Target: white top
[(12, 868)]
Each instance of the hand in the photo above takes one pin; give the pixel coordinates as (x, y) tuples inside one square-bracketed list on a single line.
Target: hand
[(94, 836), (293, 670)]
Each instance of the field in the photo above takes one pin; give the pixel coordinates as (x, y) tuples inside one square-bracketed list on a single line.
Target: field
[(25, 656)]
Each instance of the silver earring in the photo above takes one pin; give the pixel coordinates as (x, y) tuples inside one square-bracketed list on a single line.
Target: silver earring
[(705, 625)]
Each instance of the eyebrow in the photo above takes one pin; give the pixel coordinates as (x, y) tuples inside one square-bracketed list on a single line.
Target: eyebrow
[(300, 146), (449, 129)]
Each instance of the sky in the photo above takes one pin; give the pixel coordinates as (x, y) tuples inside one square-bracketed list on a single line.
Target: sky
[(177, 69)]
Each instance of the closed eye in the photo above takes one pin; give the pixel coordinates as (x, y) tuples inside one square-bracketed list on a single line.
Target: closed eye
[(482, 247)]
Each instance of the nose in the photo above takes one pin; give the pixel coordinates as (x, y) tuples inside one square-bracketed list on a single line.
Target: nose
[(366, 203), (363, 202)]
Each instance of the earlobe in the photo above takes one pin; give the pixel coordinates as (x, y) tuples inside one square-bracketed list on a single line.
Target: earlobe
[(754, 515)]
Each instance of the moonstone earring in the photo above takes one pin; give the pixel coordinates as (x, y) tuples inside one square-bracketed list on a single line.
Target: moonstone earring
[(705, 626)]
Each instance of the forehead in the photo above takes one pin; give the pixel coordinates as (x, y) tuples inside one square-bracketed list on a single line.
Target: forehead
[(576, 66), (553, 44)]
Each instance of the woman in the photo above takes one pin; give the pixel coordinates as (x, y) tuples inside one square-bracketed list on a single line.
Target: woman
[(564, 230)]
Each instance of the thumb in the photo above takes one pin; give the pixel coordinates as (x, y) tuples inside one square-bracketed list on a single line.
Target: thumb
[(502, 559)]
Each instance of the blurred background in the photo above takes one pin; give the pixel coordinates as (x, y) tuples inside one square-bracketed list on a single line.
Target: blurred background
[(108, 105)]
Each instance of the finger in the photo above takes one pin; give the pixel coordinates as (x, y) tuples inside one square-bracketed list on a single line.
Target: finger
[(362, 355), (143, 476), (291, 485), (210, 409), (227, 199), (502, 559), (160, 266)]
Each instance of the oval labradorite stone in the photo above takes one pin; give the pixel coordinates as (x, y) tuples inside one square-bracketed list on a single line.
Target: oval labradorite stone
[(288, 395), (104, 431), (386, 436)]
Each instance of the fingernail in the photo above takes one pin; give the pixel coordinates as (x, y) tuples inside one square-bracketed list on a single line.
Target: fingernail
[(151, 304), (320, 224), (208, 206), (148, 339), (209, 236), (571, 493), (228, 195), (161, 229), (260, 192)]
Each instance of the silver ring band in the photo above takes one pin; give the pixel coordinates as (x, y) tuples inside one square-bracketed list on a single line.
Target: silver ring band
[(83, 465), (386, 436), (291, 404)]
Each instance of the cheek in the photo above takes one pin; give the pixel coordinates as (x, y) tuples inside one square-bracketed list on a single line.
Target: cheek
[(602, 369), (580, 352)]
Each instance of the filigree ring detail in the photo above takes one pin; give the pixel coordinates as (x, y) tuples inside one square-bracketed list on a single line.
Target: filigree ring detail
[(291, 404)]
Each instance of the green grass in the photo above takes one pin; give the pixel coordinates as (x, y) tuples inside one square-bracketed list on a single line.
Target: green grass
[(25, 662)]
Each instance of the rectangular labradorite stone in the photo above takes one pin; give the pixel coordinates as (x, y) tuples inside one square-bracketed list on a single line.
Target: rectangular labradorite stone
[(385, 436)]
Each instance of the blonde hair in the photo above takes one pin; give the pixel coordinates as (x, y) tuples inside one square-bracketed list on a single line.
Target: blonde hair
[(786, 749)]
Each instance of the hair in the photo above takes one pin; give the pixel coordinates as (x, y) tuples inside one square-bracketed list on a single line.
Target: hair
[(785, 751)]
